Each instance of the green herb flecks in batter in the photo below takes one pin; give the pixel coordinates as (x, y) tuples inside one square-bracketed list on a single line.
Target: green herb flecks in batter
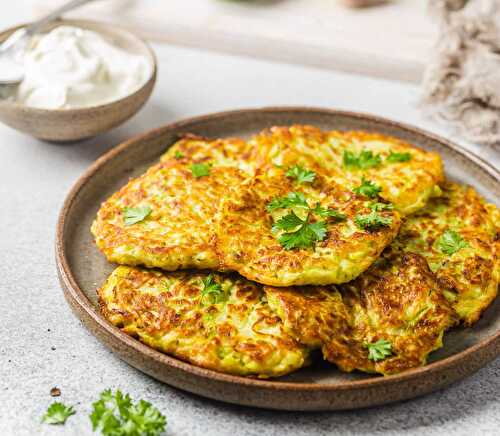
[(378, 207), (178, 155), (379, 350), (364, 160), (200, 170), (300, 174), (368, 189), (133, 215), (450, 242)]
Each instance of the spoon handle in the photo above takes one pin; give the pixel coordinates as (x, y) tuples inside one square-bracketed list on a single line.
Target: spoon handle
[(39, 24)]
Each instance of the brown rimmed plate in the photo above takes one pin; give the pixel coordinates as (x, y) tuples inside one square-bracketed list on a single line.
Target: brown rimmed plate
[(82, 269)]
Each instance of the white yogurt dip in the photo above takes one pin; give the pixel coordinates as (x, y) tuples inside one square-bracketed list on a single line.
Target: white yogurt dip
[(71, 67)]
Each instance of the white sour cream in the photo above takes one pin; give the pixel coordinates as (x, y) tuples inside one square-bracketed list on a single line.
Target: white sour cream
[(71, 67)]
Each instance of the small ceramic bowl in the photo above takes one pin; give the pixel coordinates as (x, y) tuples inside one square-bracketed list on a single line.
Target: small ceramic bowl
[(65, 125)]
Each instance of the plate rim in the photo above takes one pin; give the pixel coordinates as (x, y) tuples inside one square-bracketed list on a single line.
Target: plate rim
[(78, 300)]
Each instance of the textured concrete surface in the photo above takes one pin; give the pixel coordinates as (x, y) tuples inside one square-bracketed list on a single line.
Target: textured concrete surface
[(43, 345)]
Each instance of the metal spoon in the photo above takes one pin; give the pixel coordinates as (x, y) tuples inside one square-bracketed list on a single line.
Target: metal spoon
[(11, 71)]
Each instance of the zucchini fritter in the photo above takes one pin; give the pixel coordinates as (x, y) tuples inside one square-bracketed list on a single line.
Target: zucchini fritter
[(458, 234), (179, 231), (397, 304), (409, 176), (217, 322), (249, 242)]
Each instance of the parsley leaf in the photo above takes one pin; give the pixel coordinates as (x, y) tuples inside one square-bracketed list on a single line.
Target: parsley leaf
[(450, 242), (364, 160), (328, 213), (58, 413), (178, 155), (378, 207), (116, 415), (398, 157), (304, 237), (372, 221), (212, 292), (300, 174), (133, 215), (287, 223), (368, 188), (379, 350), (291, 200), (200, 170)]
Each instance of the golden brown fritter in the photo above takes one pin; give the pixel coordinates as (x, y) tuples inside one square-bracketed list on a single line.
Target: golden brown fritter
[(249, 243), (458, 234), (408, 175), (386, 321), (217, 322), (179, 230)]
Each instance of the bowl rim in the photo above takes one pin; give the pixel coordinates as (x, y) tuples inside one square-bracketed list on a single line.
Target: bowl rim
[(150, 53), (79, 298)]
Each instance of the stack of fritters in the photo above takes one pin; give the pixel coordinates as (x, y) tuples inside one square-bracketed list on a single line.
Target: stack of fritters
[(348, 242)]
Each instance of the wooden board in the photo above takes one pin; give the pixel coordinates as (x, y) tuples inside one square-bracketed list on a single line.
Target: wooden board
[(391, 40)]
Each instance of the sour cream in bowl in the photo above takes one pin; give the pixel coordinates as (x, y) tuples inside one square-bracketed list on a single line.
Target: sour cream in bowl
[(80, 78)]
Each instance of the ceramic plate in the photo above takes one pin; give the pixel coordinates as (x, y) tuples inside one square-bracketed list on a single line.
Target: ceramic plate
[(82, 269)]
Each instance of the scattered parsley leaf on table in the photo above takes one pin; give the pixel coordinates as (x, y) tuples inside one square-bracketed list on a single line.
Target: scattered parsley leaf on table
[(291, 200), (133, 215), (372, 221), (116, 415), (300, 174), (364, 160), (212, 291), (58, 413), (450, 242), (379, 350), (368, 188), (398, 157)]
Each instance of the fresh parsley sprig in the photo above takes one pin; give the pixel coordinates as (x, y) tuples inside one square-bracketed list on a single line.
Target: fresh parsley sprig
[(133, 215), (398, 157), (116, 415), (300, 174), (368, 188), (299, 232), (364, 160), (372, 221), (450, 242), (212, 292), (58, 413), (379, 350)]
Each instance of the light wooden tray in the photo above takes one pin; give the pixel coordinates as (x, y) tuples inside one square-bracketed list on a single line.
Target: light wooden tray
[(390, 41)]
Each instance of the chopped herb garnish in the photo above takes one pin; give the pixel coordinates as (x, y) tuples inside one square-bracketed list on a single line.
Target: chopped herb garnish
[(116, 415), (299, 233), (293, 199), (212, 292), (378, 207), (379, 350), (372, 221), (200, 170), (58, 413), (364, 160), (300, 174), (133, 215), (328, 213), (398, 157), (178, 154), (450, 242), (368, 188)]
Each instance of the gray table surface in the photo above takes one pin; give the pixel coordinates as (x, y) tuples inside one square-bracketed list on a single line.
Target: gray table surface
[(43, 345)]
